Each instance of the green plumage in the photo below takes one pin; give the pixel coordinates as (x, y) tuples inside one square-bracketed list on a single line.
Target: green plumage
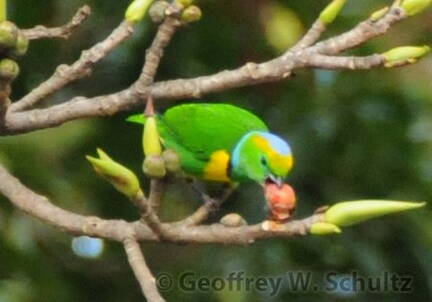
[(195, 131)]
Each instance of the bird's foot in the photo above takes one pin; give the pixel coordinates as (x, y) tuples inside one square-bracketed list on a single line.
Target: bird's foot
[(212, 204)]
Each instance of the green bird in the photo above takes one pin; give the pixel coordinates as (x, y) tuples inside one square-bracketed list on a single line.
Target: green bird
[(223, 143)]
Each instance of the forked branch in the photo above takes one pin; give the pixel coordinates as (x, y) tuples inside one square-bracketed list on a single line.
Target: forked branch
[(250, 74)]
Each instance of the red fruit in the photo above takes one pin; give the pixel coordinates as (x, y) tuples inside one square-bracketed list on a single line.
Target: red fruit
[(281, 201)]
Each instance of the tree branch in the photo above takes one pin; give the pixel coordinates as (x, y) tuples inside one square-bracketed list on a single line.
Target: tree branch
[(81, 68), (142, 272), (119, 230), (148, 215), (363, 32), (157, 192), (249, 74), (312, 35), (354, 63), (204, 211), (155, 52), (5, 90), (63, 32)]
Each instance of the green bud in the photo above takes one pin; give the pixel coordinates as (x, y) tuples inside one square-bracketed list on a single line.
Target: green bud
[(157, 11), (8, 35), (413, 7), (9, 70), (352, 212), (324, 228), (154, 166), (185, 3), (233, 220), (172, 161), (137, 10), (151, 138), (21, 46), (375, 16), (102, 155), (123, 179), (329, 14), (404, 55), (191, 14), (3, 10)]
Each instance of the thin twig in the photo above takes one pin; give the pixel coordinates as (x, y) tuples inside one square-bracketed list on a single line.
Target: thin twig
[(141, 270), (62, 32), (313, 34), (5, 90), (363, 32), (148, 216), (154, 54), (157, 192), (354, 63), (203, 212), (83, 67)]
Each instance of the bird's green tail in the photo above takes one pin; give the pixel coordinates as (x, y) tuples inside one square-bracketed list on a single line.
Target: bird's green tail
[(137, 118)]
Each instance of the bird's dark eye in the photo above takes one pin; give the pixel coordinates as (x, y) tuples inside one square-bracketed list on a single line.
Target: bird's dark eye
[(263, 161)]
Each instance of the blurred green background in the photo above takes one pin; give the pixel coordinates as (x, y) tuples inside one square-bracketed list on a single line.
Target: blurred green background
[(355, 135)]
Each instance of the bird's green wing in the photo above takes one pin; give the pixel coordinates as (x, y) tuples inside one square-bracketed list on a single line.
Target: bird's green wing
[(205, 128)]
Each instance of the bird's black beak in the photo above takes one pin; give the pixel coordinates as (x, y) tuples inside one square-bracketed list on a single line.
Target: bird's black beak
[(275, 180)]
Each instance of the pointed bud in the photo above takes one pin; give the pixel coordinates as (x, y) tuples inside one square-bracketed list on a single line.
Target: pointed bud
[(324, 228), (329, 14), (352, 212), (137, 10), (8, 35), (172, 160), (9, 70), (233, 220), (123, 179), (21, 46), (102, 154), (151, 138), (413, 7), (375, 16), (191, 14), (404, 55), (157, 11), (154, 166)]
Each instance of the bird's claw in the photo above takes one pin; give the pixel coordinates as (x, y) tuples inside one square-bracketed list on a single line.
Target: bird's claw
[(212, 204)]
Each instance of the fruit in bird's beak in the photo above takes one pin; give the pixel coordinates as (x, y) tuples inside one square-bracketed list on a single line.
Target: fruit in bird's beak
[(281, 201)]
